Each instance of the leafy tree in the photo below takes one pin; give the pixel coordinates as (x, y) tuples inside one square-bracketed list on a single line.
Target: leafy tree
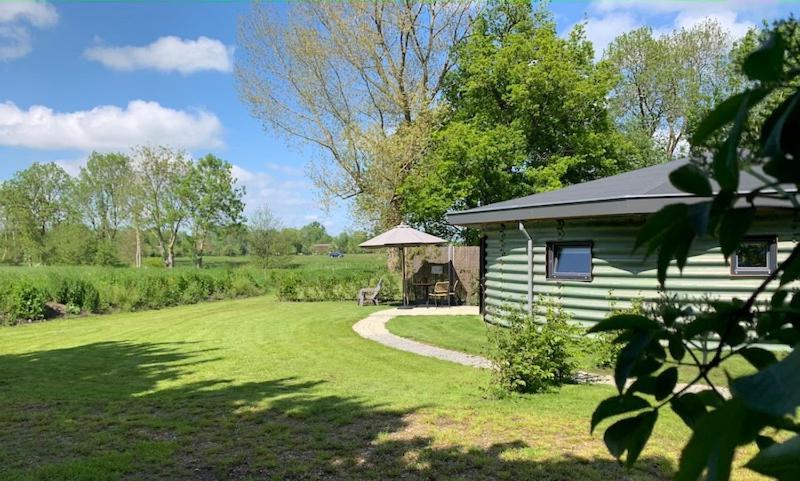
[(265, 241), (104, 193), (667, 83), (314, 233), (216, 201), (163, 176), (356, 80), (762, 408), (35, 201), (526, 111)]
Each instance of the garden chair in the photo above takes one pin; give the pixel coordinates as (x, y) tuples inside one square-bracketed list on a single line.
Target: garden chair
[(442, 291), (370, 294)]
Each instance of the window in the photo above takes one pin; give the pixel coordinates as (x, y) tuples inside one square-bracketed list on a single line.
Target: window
[(756, 256), (569, 260)]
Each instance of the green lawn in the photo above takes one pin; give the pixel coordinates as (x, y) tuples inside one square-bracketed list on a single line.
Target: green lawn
[(256, 389), (469, 334)]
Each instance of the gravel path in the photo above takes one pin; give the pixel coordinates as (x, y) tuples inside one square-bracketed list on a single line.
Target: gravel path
[(373, 327)]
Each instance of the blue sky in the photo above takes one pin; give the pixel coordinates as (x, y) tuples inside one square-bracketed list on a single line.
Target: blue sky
[(76, 77)]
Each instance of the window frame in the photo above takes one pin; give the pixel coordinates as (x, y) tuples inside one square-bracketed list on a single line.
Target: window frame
[(772, 258), (552, 275)]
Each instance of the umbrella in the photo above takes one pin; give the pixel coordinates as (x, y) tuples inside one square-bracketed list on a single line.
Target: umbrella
[(402, 236)]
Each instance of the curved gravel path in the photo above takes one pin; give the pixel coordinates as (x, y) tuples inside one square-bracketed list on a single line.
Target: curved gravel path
[(373, 327)]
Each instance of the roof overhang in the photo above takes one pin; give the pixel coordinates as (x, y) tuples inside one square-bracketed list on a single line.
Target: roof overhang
[(597, 208)]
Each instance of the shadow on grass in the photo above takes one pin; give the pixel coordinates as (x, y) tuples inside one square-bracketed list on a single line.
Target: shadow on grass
[(129, 411)]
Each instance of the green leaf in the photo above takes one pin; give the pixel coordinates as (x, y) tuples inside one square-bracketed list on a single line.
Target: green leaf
[(783, 123), (758, 357), (726, 161), (665, 383), (617, 405), (724, 113), (791, 270), (630, 435), (735, 224), (676, 348), (784, 128), (779, 461), (712, 445), (690, 407), (659, 223), (773, 390), (689, 178), (766, 62), (625, 321), (710, 322), (629, 355)]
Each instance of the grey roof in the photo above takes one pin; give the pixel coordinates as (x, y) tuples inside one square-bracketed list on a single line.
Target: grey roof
[(641, 191)]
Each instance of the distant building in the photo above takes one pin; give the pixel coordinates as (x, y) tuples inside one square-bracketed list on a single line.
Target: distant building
[(321, 248)]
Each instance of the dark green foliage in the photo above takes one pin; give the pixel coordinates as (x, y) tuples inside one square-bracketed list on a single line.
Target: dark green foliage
[(76, 292), (26, 301), (763, 404), (311, 287), (531, 356), (525, 111)]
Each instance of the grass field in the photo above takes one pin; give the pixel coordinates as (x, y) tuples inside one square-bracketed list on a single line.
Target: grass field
[(113, 289), (257, 389), (469, 334)]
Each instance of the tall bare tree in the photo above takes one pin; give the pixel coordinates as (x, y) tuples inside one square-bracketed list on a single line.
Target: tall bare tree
[(668, 82), (350, 78)]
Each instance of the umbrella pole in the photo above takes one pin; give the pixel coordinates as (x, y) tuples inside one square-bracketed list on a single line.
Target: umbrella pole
[(403, 263)]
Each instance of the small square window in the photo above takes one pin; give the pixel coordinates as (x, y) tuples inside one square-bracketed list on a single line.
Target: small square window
[(756, 256), (569, 260)]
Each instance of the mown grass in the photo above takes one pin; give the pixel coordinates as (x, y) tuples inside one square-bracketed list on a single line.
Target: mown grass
[(469, 334), (258, 389)]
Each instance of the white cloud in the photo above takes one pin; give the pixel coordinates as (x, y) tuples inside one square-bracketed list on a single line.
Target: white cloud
[(71, 166), (727, 19), (167, 54), (108, 127), (285, 169), (15, 37), (291, 200), (610, 18), (602, 30), (39, 14)]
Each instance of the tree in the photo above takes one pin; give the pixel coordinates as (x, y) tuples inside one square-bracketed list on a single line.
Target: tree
[(526, 111), (164, 184), (762, 409), (314, 233), (358, 82), (36, 200), (264, 237), (104, 192), (216, 201), (667, 83)]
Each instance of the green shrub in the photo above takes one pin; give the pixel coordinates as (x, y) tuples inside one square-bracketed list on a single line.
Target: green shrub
[(533, 357), (601, 347), (76, 293), (27, 301)]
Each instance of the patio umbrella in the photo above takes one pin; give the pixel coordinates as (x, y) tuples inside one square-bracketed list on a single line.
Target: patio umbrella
[(402, 236)]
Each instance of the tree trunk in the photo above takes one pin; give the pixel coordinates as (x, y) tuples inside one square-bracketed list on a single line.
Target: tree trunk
[(200, 250), (138, 255)]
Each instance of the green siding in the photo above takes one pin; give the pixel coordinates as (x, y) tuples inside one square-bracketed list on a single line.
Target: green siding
[(619, 276)]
